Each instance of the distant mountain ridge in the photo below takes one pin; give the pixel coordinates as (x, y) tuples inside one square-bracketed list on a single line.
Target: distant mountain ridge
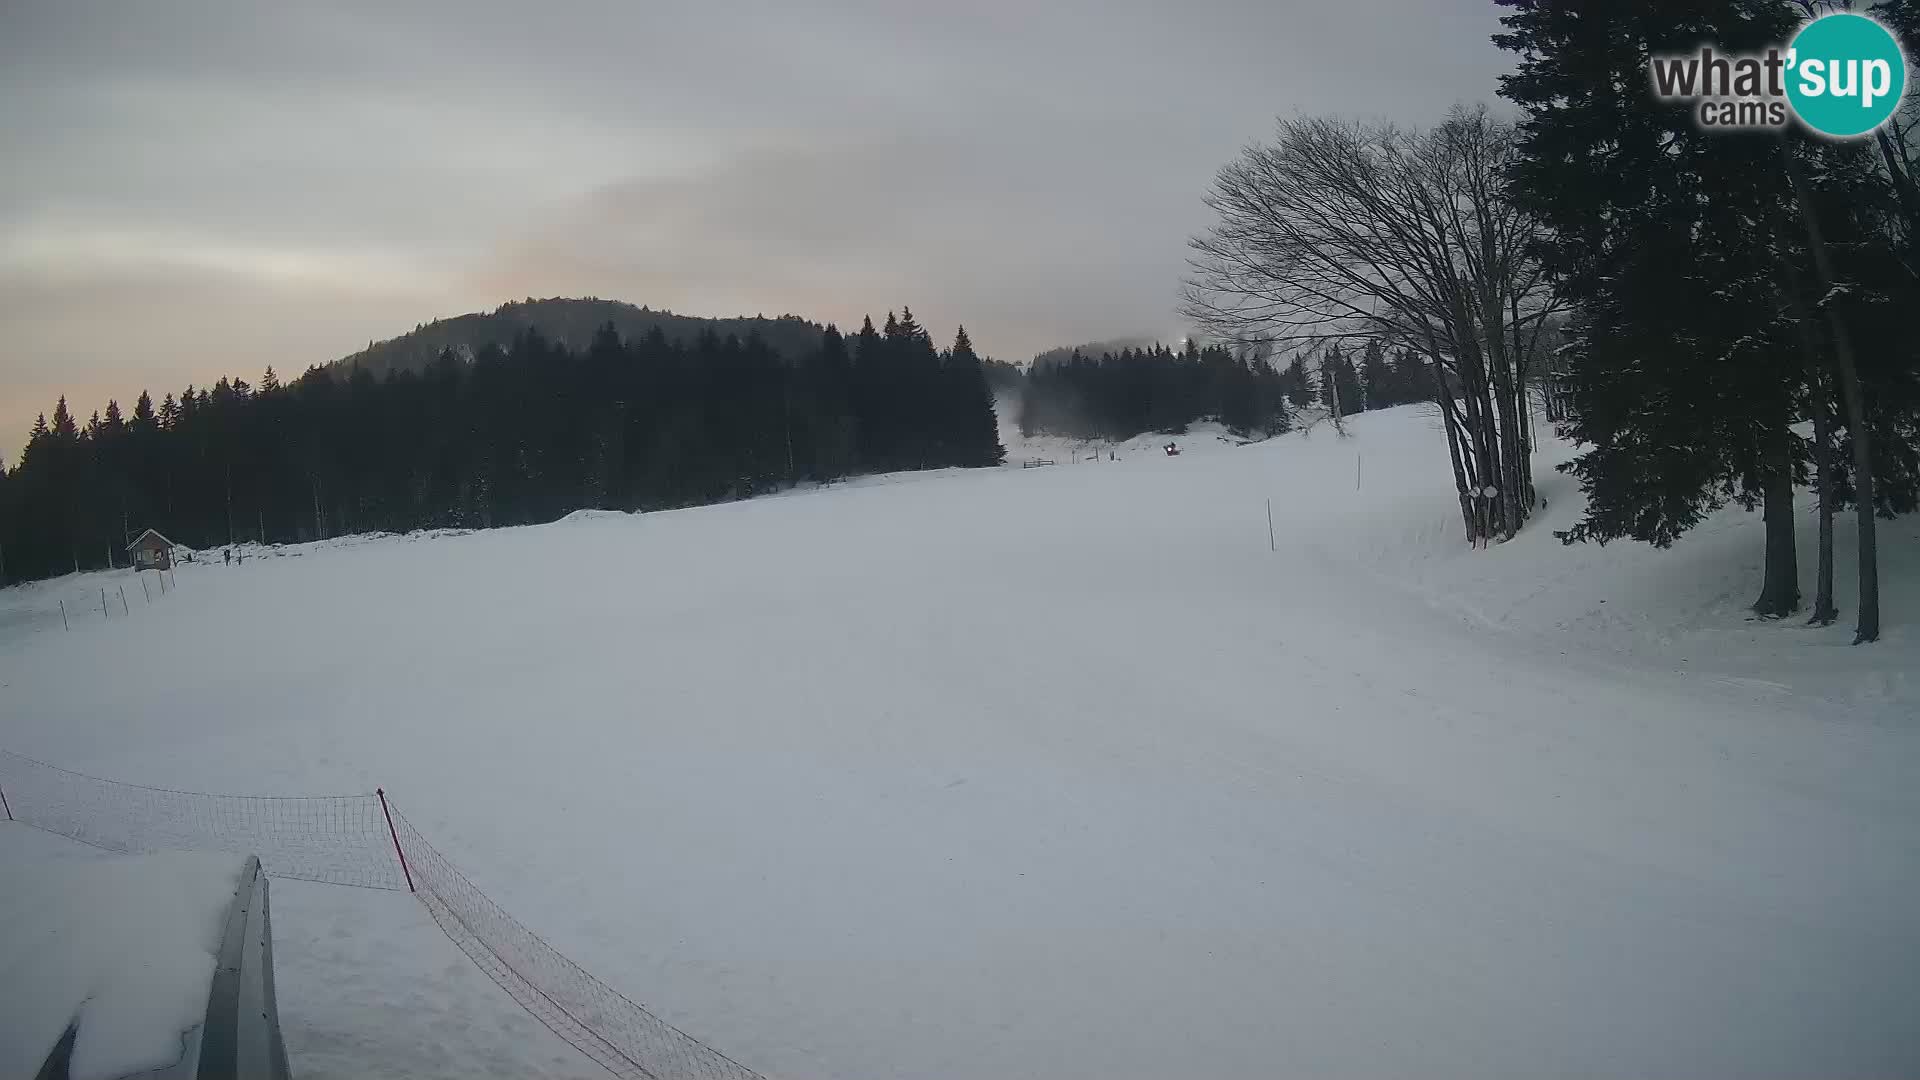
[(571, 321)]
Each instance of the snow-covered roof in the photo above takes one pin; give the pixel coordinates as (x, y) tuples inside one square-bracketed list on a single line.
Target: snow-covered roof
[(142, 538)]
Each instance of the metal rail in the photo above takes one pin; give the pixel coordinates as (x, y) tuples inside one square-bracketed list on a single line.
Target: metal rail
[(241, 1035), (239, 1038)]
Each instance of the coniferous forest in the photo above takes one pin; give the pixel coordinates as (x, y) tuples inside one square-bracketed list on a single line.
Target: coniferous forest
[(1119, 394), (518, 434)]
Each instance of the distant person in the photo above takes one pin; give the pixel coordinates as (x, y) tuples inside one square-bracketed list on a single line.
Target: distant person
[(227, 554)]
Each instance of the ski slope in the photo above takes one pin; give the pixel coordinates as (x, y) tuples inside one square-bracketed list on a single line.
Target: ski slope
[(1062, 772)]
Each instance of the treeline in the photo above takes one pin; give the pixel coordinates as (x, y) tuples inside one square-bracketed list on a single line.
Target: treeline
[(1118, 395), (1375, 382), (520, 434)]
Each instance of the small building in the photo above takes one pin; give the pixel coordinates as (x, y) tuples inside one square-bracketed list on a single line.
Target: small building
[(151, 551)]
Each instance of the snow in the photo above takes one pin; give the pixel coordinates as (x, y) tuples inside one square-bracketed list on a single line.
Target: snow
[(369, 986), (120, 948), (1061, 772), (1203, 437)]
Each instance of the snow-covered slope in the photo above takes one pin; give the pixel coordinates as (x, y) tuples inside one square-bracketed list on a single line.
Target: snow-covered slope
[(1062, 772)]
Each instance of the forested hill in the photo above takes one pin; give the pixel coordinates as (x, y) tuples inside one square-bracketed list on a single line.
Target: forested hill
[(571, 323)]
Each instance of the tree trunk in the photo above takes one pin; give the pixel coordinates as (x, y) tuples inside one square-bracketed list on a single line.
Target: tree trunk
[(1780, 586), (1512, 444), (1824, 611), (1481, 438), (1328, 373), (1444, 397), (1528, 441), (1459, 473), (1867, 626)]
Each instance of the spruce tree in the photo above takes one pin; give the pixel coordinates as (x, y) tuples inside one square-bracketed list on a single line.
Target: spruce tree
[(1300, 386), (1376, 379), (1412, 381), (1662, 242), (875, 405), (63, 426), (1340, 392), (975, 434)]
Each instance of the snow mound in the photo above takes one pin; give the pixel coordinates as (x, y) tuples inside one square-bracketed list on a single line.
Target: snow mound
[(581, 516), (122, 947)]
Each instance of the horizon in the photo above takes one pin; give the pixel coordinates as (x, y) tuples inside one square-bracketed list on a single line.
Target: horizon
[(197, 196)]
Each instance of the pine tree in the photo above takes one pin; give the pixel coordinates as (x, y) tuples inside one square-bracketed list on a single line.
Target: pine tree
[(1376, 379), (1300, 387), (975, 435), (63, 426), (834, 435), (1340, 389), (873, 394), (1663, 242), (1412, 381)]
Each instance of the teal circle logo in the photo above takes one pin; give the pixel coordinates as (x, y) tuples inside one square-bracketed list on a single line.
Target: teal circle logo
[(1845, 75)]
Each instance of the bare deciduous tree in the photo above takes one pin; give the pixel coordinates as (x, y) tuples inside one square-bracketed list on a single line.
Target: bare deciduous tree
[(1341, 230)]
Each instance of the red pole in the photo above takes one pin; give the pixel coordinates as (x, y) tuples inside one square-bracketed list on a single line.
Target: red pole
[(396, 837)]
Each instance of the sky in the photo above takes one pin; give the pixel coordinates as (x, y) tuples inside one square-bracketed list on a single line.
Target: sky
[(199, 188)]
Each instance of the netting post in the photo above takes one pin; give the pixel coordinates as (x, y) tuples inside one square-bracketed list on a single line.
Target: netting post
[(391, 831)]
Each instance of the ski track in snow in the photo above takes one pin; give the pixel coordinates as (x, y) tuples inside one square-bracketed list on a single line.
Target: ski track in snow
[(1061, 772)]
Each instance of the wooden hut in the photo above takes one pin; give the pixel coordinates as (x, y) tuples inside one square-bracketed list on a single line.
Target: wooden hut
[(151, 551)]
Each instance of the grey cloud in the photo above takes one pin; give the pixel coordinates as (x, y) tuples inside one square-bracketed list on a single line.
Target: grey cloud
[(329, 172)]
